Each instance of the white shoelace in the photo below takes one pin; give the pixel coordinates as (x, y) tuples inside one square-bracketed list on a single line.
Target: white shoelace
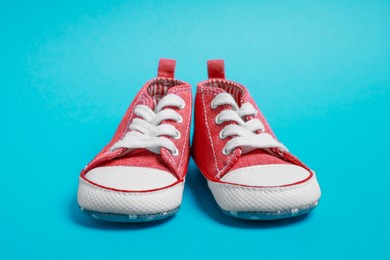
[(248, 135), (148, 132)]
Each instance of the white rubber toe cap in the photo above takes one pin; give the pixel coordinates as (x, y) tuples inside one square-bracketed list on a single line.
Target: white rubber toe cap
[(272, 189), (129, 190), (271, 175), (130, 178), (95, 198)]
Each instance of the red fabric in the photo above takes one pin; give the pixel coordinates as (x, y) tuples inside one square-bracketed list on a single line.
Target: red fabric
[(166, 68), (207, 146), (216, 69), (177, 165), (138, 158)]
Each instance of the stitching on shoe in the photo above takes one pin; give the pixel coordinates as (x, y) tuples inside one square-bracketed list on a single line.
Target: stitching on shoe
[(181, 89), (167, 154), (209, 135), (215, 91), (263, 189), (185, 143), (90, 185), (227, 164), (224, 81), (249, 168), (131, 115)]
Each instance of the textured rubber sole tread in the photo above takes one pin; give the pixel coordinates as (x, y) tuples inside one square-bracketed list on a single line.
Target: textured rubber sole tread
[(264, 215), (115, 217)]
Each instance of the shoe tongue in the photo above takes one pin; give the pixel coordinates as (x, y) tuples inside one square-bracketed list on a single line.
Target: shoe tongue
[(173, 88), (159, 88), (150, 100), (239, 93)]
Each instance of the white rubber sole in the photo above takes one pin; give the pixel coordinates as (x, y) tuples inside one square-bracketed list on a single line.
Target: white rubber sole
[(122, 206), (266, 203)]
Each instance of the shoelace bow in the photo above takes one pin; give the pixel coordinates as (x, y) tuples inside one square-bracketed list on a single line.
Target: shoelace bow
[(248, 135), (146, 131)]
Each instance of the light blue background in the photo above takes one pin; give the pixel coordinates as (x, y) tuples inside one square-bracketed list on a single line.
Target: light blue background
[(320, 71)]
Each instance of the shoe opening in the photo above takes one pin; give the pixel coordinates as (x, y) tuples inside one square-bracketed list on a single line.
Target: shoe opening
[(230, 87), (159, 87)]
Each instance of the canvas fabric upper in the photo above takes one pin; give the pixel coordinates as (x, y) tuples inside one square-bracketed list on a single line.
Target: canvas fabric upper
[(207, 146), (149, 95)]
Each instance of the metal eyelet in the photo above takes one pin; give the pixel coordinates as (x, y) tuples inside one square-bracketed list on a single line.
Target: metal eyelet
[(178, 135), (221, 136), (175, 152), (224, 152), (217, 120)]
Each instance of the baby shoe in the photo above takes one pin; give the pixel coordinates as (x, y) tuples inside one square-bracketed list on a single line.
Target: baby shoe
[(249, 172), (139, 176)]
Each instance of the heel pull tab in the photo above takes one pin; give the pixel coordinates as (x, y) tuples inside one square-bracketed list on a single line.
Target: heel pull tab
[(166, 68), (216, 69)]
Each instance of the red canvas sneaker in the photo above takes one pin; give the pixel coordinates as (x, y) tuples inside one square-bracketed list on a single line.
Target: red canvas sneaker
[(250, 173), (139, 175)]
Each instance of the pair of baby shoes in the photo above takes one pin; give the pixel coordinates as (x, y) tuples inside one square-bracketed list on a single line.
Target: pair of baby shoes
[(139, 176)]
